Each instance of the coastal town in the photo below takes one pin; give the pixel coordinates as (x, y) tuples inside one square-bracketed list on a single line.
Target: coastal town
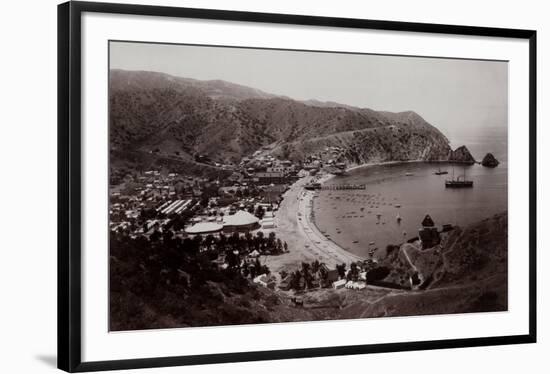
[(265, 205)]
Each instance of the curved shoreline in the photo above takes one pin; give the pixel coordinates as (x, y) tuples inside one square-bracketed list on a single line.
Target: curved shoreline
[(294, 225), (306, 242), (317, 240), (325, 178), (312, 231)]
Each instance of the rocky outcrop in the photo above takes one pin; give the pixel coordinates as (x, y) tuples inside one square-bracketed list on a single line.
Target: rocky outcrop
[(461, 155), (391, 143), (489, 161)]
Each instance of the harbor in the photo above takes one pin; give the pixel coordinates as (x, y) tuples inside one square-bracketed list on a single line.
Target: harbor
[(391, 207)]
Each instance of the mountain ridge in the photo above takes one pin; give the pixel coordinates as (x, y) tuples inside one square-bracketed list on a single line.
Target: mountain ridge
[(180, 117)]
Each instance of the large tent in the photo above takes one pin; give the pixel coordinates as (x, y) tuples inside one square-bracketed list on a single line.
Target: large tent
[(240, 221), (204, 228)]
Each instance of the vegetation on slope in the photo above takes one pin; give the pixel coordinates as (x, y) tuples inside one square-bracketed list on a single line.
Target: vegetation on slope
[(179, 117)]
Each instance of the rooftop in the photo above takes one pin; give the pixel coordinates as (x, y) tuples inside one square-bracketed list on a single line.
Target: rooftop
[(241, 218), (203, 228)]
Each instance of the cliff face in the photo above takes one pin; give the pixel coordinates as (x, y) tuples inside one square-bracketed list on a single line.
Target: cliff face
[(462, 155), (177, 118), (388, 143)]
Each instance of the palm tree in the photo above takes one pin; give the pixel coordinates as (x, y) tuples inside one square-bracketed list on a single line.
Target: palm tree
[(295, 280), (279, 246), (353, 272), (315, 266), (341, 270), (306, 273)]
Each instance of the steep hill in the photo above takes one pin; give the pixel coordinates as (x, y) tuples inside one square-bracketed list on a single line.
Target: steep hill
[(175, 117), (469, 275)]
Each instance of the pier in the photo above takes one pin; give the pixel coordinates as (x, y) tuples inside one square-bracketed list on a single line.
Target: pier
[(336, 187)]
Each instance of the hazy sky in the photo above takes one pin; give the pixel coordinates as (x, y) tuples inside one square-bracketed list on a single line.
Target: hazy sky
[(457, 96)]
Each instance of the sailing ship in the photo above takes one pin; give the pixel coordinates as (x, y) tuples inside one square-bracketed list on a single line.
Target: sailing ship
[(441, 172), (459, 183)]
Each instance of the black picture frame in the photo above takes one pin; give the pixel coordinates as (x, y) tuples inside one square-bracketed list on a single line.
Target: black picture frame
[(69, 184)]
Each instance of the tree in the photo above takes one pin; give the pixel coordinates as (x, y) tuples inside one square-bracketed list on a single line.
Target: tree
[(257, 266), (265, 270), (271, 239), (260, 235), (234, 238), (155, 236), (167, 235), (295, 280), (252, 270), (353, 273), (341, 270), (279, 246), (249, 240), (307, 274), (232, 259), (209, 241), (315, 266), (260, 212)]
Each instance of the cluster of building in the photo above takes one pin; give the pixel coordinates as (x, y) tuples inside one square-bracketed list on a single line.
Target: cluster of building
[(258, 179), (241, 221), (329, 159), (244, 199), (160, 195)]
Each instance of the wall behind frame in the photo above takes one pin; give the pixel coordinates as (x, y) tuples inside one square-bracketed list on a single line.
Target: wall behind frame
[(28, 184)]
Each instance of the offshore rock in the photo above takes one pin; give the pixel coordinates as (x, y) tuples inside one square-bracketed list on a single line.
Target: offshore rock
[(489, 161)]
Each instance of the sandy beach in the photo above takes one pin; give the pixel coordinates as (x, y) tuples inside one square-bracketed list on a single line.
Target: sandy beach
[(293, 225), (306, 243)]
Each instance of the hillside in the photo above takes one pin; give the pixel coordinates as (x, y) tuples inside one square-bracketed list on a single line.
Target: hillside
[(469, 274), (177, 118), (184, 289)]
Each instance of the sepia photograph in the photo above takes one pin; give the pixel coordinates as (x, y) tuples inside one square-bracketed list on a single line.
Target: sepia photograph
[(254, 186)]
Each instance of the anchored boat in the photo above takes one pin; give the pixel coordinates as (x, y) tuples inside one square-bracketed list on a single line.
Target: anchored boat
[(459, 183)]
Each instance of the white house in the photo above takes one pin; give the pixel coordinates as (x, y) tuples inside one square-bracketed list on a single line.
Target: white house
[(339, 283)]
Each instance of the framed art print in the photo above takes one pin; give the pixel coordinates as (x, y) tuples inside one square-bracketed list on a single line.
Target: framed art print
[(238, 186)]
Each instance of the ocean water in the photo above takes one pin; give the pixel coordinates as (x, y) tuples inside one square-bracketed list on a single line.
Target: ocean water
[(356, 218)]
